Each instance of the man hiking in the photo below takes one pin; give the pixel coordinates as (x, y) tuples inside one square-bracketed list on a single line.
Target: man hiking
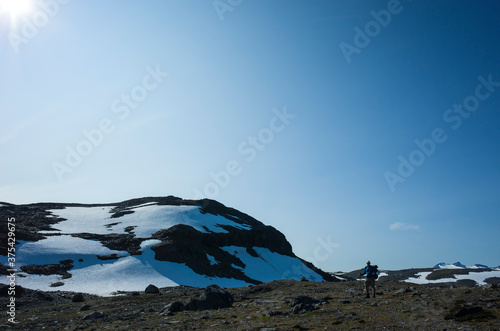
[(371, 274)]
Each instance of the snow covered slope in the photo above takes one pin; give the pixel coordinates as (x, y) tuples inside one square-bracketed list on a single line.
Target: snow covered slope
[(479, 277), (126, 246), (458, 265)]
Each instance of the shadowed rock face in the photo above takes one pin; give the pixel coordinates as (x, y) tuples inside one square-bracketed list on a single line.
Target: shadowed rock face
[(180, 243)]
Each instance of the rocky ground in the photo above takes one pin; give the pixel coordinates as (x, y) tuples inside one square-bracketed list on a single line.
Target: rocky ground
[(279, 305)]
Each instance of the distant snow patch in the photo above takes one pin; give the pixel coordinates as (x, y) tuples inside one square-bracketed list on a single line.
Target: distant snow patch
[(478, 277)]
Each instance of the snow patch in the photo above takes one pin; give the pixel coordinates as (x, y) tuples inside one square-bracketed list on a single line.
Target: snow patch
[(269, 266), (131, 273), (146, 220), (478, 277), (57, 248)]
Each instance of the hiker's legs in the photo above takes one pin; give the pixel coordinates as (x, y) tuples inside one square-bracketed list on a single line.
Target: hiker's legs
[(369, 282)]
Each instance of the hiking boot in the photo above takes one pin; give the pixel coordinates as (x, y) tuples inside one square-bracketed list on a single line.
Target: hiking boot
[(367, 296), (374, 296)]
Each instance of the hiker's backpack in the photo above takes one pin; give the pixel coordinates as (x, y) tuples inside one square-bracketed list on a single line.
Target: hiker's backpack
[(372, 271)]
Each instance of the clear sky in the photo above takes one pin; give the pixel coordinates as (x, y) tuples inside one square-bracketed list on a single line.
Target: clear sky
[(359, 129)]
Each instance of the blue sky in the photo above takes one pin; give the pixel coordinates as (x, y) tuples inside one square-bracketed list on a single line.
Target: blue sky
[(359, 129)]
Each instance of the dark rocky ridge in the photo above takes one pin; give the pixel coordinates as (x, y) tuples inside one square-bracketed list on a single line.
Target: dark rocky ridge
[(179, 243)]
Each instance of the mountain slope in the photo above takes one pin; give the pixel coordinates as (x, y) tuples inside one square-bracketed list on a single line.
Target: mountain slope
[(166, 241)]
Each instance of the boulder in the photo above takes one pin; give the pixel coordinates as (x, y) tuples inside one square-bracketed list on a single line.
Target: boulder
[(464, 311), (93, 316), (78, 298), (151, 289), (213, 297), (302, 308), (172, 307), (303, 304), (85, 307), (302, 299)]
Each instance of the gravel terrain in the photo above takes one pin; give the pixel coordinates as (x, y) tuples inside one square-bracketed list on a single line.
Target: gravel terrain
[(279, 305)]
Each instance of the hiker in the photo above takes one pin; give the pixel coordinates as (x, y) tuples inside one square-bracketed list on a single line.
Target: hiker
[(371, 274)]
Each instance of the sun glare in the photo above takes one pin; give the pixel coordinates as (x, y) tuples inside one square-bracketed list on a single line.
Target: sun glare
[(15, 8)]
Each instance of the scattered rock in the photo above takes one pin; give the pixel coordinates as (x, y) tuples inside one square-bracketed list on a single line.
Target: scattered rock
[(467, 311), (172, 307), (259, 288), (93, 316), (303, 299), (57, 284), (403, 290), (85, 307), (303, 304), (272, 313), (302, 308), (151, 289)]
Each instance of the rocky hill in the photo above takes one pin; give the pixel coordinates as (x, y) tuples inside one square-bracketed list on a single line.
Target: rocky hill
[(166, 241)]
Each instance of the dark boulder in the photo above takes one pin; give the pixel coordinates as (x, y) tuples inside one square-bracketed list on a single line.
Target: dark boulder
[(303, 299), (93, 316), (462, 312), (85, 307), (302, 308), (213, 297), (172, 307), (151, 289), (78, 298), (467, 311), (303, 304)]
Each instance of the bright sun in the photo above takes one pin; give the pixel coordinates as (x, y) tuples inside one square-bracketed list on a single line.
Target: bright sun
[(15, 8)]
